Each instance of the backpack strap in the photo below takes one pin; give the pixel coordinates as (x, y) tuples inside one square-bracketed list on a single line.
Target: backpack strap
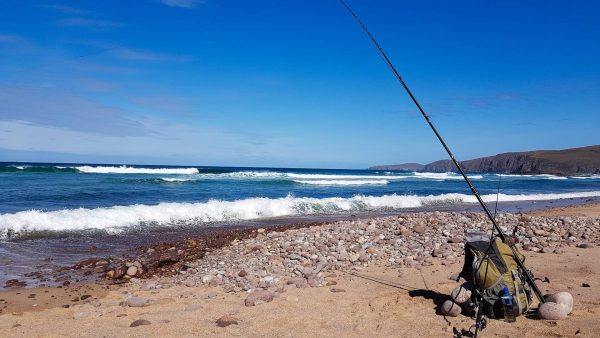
[(493, 254)]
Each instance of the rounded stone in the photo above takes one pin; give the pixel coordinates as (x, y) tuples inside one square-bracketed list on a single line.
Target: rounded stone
[(553, 311), (132, 270), (461, 294), (563, 298), (450, 309), (134, 301)]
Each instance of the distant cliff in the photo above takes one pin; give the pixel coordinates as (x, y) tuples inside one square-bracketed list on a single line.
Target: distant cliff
[(575, 161)]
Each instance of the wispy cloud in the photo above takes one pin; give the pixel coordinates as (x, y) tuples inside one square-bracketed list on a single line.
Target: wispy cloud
[(67, 9), (129, 54), (182, 3), (164, 103), (180, 143), (89, 23), (65, 110), (7, 38)]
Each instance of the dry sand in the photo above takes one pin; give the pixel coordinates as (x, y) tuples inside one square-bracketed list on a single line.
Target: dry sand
[(378, 302)]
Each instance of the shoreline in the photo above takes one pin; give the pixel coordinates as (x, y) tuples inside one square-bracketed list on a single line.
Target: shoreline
[(61, 257), (290, 278)]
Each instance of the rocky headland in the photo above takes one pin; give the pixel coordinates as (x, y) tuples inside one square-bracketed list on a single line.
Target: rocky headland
[(576, 161)]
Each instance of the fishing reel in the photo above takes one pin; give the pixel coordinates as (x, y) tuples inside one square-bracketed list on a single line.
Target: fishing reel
[(481, 322)]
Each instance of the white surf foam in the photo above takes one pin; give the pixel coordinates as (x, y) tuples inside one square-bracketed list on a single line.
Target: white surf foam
[(343, 182), (176, 179), (540, 176), (295, 176), (445, 176), (115, 219), (343, 177), (133, 170), (591, 177), (284, 175)]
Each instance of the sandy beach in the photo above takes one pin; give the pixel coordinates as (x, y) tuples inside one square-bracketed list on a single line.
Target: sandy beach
[(383, 282)]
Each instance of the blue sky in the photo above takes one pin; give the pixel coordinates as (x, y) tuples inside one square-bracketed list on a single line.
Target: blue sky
[(293, 83)]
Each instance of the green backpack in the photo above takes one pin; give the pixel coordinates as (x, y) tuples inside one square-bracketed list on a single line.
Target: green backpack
[(492, 273)]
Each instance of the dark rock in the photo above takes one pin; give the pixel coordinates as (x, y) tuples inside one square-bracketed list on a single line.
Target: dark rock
[(335, 290), (139, 322), (15, 284), (227, 320), (120, 272), (586, 285)]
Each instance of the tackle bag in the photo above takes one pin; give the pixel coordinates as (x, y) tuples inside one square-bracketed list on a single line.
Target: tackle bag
[(491, 267)]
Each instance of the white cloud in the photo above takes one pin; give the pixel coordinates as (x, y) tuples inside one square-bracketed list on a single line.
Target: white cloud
[(185, 144), (64, 109)]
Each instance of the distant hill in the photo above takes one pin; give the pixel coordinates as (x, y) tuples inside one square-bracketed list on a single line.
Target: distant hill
[(575, 161)]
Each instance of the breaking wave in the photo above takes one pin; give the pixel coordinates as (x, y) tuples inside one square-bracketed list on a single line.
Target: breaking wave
[(445, 176), (343, 182), (118, 218), (135, 170), (542, 176), (176, 179), (35, 169), (591, 177)]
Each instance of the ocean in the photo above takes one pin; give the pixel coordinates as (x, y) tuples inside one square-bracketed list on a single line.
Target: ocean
[(56, 212), (50, 199)]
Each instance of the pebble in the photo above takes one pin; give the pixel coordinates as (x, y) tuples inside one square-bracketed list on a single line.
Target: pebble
[(461, 294), (299, 258), (15, 284), (450, 309), (132, 270), (337, 290), (139, 322), (227, 320), (134, 301), (258, 296)]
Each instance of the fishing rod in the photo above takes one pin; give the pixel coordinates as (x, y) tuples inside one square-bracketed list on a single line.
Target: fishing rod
[(501, 234)]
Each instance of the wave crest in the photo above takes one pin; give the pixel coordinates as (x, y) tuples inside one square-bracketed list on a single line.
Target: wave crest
[(117, 218), (135, 170), (343, 182)]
